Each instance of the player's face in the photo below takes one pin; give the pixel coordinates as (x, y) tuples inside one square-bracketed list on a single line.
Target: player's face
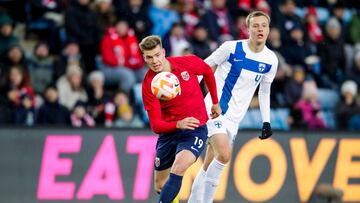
[(259, 29), (155, 58)]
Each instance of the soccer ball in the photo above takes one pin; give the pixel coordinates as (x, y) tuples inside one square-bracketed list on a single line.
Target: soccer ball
[(165, 86)]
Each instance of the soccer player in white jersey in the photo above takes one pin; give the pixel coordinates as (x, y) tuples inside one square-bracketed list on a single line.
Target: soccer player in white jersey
[(240, 67)]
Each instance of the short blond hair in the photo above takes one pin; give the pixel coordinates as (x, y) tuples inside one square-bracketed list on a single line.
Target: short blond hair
[(256, 14), (150, 42)]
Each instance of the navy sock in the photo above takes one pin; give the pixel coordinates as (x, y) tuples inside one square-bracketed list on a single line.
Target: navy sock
[(170, 189)]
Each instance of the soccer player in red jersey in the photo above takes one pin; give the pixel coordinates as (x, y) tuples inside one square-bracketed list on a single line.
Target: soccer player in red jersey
[(180, 122)]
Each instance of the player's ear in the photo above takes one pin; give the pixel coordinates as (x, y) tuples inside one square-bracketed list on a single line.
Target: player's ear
[(163, 51)]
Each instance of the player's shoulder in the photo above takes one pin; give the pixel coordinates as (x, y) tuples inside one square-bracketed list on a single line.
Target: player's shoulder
[(271, 54), (148, 78), (181, 59), (232, 43), (185, 61)]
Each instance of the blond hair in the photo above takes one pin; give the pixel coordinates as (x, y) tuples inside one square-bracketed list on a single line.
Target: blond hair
[(256, 14), (150, 42)]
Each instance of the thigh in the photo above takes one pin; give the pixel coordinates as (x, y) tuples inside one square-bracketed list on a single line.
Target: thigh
[(165, 152), (222, 125), (184, 159), (220, 144), (193, 141)]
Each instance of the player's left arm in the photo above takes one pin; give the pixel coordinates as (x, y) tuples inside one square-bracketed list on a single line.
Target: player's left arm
[(264, 100)]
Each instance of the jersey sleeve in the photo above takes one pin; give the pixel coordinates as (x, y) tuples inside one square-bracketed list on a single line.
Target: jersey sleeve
[(201, 68), (153, 108), (269, 77), (220, 55)]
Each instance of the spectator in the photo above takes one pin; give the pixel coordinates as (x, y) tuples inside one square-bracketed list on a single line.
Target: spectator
[(332, 55), (354, 73), (249, 5), (20, 96), (15, 56), (338, 12), (354, 27), (97, 96), (162, 17), (288, 19), (44, 18), (105, 15), (81, 27), (200, 43), (274, 40), (125, 116), (136, 13), (52, 107), (70, 55), (70, 87), (241, 26), (41, 67), (121, 57), (309, 107), (79, 117), (313, 27), (7, 37), (219, 22), (175, 41), (294, 86), (347, 107), (296, 49), (190, 16)]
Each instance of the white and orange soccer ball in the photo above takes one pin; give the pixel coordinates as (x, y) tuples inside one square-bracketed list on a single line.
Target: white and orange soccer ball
[(165, 86)]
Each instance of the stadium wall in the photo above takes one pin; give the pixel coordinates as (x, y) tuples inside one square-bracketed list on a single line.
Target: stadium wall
[(106, 165)]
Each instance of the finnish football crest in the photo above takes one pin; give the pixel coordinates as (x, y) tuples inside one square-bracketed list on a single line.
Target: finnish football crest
[(185, 75), (218, 124), (262, 67), (157, 161)]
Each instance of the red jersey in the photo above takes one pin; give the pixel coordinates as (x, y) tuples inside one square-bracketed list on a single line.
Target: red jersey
[(163, 115)]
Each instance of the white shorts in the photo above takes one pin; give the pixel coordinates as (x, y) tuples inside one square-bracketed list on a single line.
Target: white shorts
[(224, 126)]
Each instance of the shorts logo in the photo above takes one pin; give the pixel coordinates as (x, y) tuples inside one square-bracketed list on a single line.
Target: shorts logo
[(218, 124), (157, 161), (185, 75)]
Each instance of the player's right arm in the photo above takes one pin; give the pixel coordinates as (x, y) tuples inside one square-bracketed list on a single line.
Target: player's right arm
[(219, 56), (157, 124)]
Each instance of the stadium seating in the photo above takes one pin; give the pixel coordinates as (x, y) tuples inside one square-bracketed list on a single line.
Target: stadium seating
[(138, 102)]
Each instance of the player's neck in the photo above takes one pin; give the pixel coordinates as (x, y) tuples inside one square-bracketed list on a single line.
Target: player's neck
[(256, 47), (167, 66)]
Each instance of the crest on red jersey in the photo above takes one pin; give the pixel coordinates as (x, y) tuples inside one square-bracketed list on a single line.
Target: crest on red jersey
[(157, 161), (185, 75)]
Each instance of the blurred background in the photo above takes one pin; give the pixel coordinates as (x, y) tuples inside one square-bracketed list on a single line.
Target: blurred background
[(67, 66)]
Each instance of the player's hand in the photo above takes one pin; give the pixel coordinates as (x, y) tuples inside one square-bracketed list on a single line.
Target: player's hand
[(266, 131), (215, 111), (189, 123)]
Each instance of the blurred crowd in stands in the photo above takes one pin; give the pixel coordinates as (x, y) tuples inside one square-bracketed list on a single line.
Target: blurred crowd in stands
[(77, 62)]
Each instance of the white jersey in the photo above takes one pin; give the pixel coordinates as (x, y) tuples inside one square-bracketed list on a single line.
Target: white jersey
[(238, 74)]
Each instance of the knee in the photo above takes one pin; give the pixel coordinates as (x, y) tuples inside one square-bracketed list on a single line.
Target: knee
[(223, 156), (178, 169)]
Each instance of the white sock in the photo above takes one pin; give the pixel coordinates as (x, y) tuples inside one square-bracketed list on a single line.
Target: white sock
[(212, 179), (197, 189)]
